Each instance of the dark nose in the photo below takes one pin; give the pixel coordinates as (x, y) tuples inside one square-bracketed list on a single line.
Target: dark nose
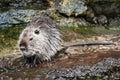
[(23, 45), (22, 48)]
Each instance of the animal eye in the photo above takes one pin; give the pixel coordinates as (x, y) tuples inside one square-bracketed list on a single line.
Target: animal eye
[(36, 32), (31, 39)]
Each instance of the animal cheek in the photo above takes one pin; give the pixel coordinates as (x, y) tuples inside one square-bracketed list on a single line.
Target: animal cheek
[(31, 45)]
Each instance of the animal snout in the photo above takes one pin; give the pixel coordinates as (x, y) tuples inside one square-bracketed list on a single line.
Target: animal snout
[(23, 45), (22, 48)]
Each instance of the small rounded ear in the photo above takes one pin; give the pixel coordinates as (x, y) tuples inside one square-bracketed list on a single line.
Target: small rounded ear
[(36, 32)]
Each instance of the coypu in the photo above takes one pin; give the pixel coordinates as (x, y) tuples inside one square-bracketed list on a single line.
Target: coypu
[(41, 40)]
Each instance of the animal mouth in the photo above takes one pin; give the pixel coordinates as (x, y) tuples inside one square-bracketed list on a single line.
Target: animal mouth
[(32, 59), (28, 52)]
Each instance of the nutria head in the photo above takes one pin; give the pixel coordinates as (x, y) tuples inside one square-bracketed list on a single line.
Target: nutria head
[(40, 38)]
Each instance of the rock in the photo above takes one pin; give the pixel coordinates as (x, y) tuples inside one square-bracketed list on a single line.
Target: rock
[(114, 21), (17, 16), (104, 12), (64, 12), (40, 4), (104, 0), (71, 7), (101, 20), (107, 8), (73, 22)]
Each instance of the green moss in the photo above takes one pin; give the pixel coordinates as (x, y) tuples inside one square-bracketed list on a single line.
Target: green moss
[(73, 33), (84, 30), (93, 30), (9, 36)]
